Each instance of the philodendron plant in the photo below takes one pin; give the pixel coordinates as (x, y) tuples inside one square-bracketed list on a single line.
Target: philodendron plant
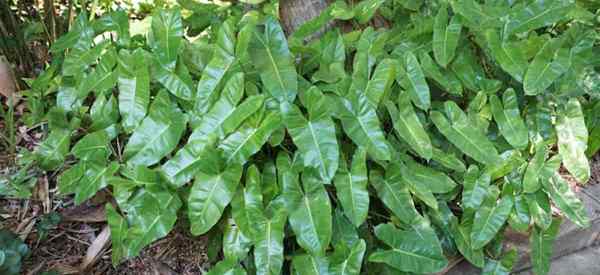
[(373, 151)]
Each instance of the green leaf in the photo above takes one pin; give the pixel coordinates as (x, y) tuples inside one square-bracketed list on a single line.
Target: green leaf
[(475, 188), (351, 189), (381, 81), (489, 219), (572, 140), (462, 237), (182, 167), (361, 124), (221, 63), (408, 126), (463, 135), (134, 88), (352, 263), (417, 250), (444, 77), (419, 175), (158, 134), (520, 218), (94, 178), (268, 243), (501, 267), (177, 81), (445, 36), (306, 264), (565, 199), (541, 242), (272, 58), (310, 216), (531, 179), (448, 160), (539, 208), (213, 190), (227, 267), (364, 11), (118, 234), (545, 68), (166, 36), (536, 15), (235, 244), (393, 192), (508, 118), (509, 55), (53, 150), (103, 113), (332, 59), (93, 147), (415, 83), (315, 136), (242, 144)]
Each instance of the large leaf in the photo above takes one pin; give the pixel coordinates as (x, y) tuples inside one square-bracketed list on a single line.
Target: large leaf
[(545, 68), (414, 82), (272, 58), (310, 215), (475, 186), (462, 237), (352, 263), (444, 77), (361, 124), (214, 72), (268, 243), (182, 167), (458, 130), (565, 199), (351, 189), (408, 126), (417, 250), (94, 178), (310, 265), (158, 134), (315, 136), (531, 179), (445, 36), (419, 175), (227, 267), (134, 88), (508, 118), (53, 150), (212, 191), (393, 192), (539, 208), (572, 140), (489, 219), (509, 55), (239, 146), (541, 242), (535, 15), (381, 81), (166, 36)]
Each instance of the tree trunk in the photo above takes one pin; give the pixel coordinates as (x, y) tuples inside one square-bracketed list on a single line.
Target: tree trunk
[(293, 13)]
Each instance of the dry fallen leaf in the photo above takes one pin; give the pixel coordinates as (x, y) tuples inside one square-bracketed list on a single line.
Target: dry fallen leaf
[(85, 212), (95, 249), (7, 84)]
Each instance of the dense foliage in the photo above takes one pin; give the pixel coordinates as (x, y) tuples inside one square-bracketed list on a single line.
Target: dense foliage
[(387, 150)]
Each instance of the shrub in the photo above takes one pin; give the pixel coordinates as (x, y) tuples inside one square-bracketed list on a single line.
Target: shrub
[(383, 149)]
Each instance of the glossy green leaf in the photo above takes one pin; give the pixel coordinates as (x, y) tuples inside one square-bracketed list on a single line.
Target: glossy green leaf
[(572, 140), (462, 237), (509, 55), (541, 242), (539, 208), (213, 189), (458, 130), (393, 192), (420, 175), (445, 36), (182, 167), (222, 62), (332, 59), (94, 178), (166, 36), (352, 263), (268, 243), (489, 219), (177, 81), (235, 244), (134, 88), (520, 218), (271, 56), (158, 134), (444, 77), (414, 82), (103, 113), (53, 150), (93, 147), (227, 267), (239, 146), (307, 264), (545, 68), (417, 250), (381, 81), (310, 217), (536, 15), (502, 266), (351, 189), (475, 186), (408, 126), (315, 136), (531, 179), (361, 124), (508, 118), (448, 160), (565, 199)]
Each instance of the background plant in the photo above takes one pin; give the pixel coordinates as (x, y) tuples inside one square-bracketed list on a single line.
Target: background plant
[(381, 150)]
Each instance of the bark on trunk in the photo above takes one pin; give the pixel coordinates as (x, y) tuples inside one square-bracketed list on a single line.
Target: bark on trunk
[(293, 13)]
